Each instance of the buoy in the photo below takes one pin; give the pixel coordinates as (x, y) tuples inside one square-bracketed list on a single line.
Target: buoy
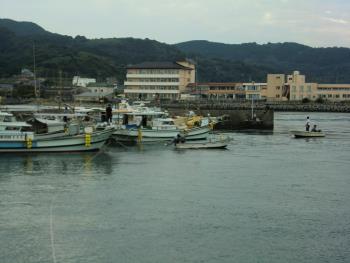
[(87, 139), (29, 143), (139, 135)]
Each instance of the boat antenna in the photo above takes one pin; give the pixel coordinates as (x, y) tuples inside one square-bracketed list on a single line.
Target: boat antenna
[(35, 86), (252, 108)]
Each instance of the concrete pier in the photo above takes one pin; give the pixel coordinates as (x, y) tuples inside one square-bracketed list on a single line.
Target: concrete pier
[(235, 116)]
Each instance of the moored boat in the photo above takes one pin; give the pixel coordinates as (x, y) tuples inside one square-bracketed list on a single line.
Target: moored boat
[(149, 125), (211, 143), (15, 138)]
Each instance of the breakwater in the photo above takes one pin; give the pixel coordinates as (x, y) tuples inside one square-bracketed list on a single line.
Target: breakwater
[(238, 114), (274, 105), (309, 107), (234, 116)]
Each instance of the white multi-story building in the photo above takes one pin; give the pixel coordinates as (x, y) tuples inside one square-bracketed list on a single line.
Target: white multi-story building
[(82, 82), (150, 80)]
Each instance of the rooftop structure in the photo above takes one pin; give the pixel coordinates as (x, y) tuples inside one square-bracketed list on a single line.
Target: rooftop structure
[(82, 82)]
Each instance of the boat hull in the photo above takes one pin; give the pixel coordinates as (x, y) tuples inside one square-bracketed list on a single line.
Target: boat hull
[(306, 134), (204, 145), (77, 143), (149, 135)]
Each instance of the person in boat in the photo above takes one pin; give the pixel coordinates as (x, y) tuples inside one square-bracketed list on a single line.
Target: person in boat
[(109, 113), (182, 139), (65, 118), (176, 140), (307, 124), (314, 129), (179, 139)]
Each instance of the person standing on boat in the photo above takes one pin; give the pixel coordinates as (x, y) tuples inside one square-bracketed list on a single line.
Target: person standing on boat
[(109, 113), (307, 124)]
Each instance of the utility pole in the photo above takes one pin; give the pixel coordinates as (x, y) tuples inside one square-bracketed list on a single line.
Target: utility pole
[(60, 91), (36, 92)]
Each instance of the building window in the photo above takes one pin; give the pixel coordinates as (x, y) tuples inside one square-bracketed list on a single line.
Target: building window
[(309, 88), (294, 88), (301, 88)]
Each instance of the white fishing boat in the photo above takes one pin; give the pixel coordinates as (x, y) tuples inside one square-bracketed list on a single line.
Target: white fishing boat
[(307, 134), (149, 125), (208, 144), (14, 138)]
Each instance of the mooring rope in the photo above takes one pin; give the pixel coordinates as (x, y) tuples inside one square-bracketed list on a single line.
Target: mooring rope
[(52, 233)]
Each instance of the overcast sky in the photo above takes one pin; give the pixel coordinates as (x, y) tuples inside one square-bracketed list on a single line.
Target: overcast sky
[(312, 22)]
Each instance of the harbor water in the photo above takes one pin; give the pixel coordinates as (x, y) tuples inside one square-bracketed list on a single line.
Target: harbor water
[(267, 198)]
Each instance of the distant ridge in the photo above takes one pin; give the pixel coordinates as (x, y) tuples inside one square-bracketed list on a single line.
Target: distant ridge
[(22, 28), (330, 64), (216, 62)]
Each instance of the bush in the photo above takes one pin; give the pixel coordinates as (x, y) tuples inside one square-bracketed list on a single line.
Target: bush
[(319, 100), (305, 100)]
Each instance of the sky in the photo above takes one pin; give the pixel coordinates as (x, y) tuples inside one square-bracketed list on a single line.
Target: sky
[(317, 23)]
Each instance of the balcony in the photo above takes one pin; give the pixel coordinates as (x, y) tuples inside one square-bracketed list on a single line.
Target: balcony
[(134, 83), (148, 76)]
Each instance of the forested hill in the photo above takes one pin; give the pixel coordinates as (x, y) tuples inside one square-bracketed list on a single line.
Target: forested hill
[(217, 62), (319, 64)]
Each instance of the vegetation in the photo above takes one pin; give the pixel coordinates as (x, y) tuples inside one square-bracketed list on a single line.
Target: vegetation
[(216, 62), (318, 64)]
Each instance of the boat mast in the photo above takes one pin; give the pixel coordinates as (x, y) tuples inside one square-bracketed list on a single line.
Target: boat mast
[(35, 86)]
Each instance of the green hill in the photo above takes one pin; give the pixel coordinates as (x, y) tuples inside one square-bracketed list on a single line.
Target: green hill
[(319, 64), (217, 62)]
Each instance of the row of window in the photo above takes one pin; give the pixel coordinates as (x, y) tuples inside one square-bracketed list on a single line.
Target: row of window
[(235, 88), (337, 96), (151, 96), (157, 71), (159, 87), (301, 88), (343, 89), (154, 80), (12, 137)]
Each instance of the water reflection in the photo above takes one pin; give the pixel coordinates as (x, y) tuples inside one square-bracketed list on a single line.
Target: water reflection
[(87, 164)]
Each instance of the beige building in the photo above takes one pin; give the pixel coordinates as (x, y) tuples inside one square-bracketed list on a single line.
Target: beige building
[(150, 80), (299, 89), (295, 88), (228, 90), (335, 92), (275, 87)]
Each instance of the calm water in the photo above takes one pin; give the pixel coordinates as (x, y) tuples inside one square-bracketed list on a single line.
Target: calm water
[(268, 198)]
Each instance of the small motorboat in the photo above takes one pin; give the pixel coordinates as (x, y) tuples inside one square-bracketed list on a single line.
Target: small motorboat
[(208, 144), (307, 134)]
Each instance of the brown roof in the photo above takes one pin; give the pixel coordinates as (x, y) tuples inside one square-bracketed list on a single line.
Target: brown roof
[(157, 65)]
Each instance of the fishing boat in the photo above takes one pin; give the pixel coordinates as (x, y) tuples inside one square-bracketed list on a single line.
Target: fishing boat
[(149, 125), (307, 134), (208, 144), (15, 138)]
